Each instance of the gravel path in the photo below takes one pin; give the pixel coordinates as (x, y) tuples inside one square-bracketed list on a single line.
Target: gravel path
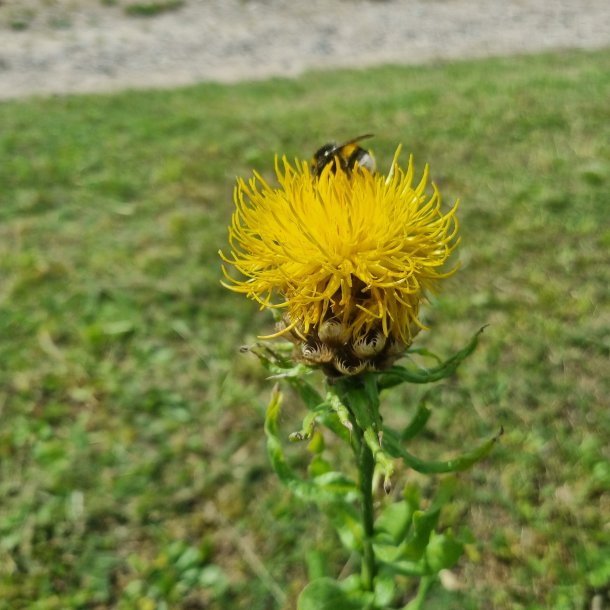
[(88, 45)]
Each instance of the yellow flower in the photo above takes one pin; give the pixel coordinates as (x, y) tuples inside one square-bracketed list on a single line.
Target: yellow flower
[(349, 257)]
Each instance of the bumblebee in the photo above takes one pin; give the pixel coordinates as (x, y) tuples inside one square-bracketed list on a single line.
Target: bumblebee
[(345, 156)]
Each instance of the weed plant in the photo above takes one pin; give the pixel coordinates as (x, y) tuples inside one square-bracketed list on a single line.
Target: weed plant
[(133, 468)]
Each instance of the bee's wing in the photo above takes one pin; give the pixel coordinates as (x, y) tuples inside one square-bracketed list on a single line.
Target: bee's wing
[(351, 143)]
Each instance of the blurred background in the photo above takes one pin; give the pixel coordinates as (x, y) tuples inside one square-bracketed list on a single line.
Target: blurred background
[(132, 455), (60, 46)]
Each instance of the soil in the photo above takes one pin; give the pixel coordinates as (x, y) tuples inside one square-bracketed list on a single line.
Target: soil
[(67, 46)]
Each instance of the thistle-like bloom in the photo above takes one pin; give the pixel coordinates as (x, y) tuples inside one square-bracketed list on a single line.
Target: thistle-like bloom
[(348, 256)]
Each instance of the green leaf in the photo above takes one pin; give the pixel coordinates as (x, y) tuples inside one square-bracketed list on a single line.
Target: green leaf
[(406, 568), (392, 527), (412, 495), (323, 413), (279, 362), (385, 588), (329, 487), (347, 522), (274, 447), (422, 351), (327, 594), (276, 360), (317, 564), (419, 534), (417, 424), (361, 396), (385, 463), (394, 520), (341, 411), (392, 445), (371, 391), (398, 374), (309, 422), (316, 444), (386, 549), (308, 394), (445, 492), (337, 483), (318, 466), (443, 551), (333, 423)]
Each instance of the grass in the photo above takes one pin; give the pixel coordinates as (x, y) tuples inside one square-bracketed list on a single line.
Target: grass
[(132, 455), (24, 14), (151, 9)]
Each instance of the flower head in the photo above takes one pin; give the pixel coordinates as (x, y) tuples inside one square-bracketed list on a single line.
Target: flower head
[(348, 256)]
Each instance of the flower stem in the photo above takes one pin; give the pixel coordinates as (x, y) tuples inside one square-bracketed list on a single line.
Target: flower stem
[(418, 601), (366, 467)]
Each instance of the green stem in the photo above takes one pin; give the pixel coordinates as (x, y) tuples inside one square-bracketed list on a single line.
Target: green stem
[(366, 468), (362, 404), (418, 601)]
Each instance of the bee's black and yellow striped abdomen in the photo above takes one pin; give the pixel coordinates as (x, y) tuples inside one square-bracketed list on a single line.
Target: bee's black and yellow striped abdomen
[(345, 157)]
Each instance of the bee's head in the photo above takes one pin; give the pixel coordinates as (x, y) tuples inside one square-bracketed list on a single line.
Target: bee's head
[(323, 156)]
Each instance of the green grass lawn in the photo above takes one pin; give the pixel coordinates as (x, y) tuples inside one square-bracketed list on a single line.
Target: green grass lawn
[(134, 473)]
